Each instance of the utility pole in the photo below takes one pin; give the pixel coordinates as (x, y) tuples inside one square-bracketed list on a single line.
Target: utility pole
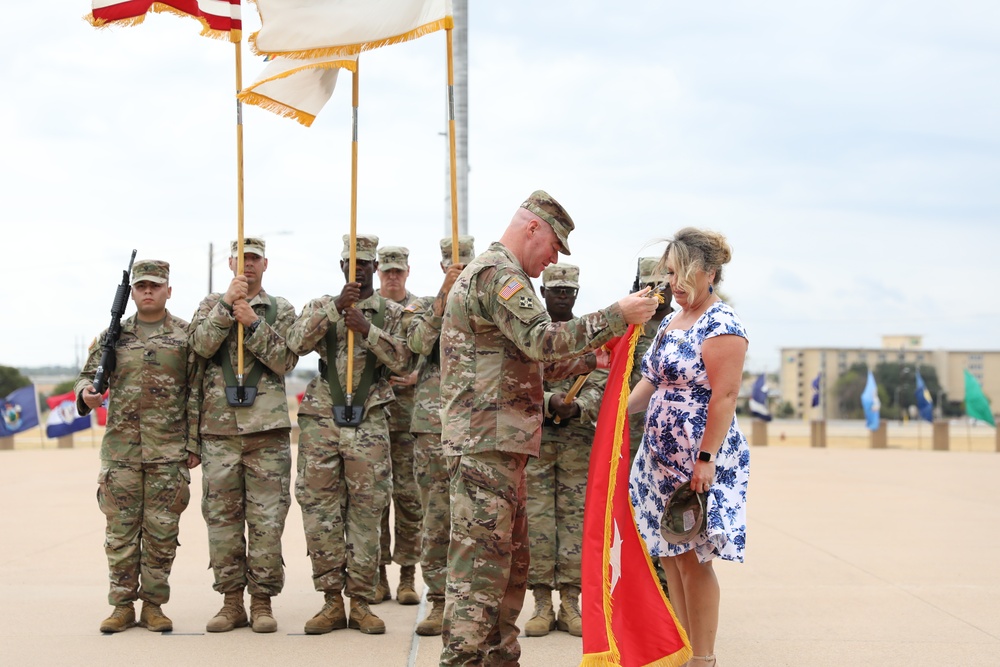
[(211, 261)]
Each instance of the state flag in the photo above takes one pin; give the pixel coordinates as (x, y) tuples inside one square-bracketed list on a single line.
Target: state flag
[(64, 417), (20, 411)]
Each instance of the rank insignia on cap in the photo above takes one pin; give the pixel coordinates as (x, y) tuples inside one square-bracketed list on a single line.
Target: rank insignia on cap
[(526, 302), (510, 289)]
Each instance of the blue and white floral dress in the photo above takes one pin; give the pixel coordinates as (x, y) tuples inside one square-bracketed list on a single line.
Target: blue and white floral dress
[(675, 425)]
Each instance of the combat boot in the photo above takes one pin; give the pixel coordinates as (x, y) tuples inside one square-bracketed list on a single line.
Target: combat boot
[(543, 620), (122, 618), (330, 617), (431, 626), (261, 618), (152, 618), (569, 612), (232, 615), (382, 592), (406, 592), (363, 619)]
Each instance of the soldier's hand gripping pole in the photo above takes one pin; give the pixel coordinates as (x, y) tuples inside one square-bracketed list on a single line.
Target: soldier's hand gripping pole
[(107, 365)]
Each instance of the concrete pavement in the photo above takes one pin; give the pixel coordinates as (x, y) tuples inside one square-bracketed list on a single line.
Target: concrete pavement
[(854, 557)]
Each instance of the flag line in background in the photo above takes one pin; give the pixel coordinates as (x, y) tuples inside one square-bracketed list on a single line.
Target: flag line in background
[(871, 403), (63, 416), (220, 19), (758, 399), (977, 405), (925, 403), (18, 411), (627, 619)]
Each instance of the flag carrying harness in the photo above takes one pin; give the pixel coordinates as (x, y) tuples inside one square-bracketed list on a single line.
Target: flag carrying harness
[(341, 415), (250, 384)]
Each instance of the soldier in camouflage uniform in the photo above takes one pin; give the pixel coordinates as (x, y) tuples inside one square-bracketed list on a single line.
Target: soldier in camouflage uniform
[(246, 450), (393, 270), (347, 465), (150, 443), (557, 479), (429, 460), (495, 341)]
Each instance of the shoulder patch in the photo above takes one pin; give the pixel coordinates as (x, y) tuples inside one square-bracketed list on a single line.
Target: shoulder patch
[(526, 301), (510, 289), (411, 308)]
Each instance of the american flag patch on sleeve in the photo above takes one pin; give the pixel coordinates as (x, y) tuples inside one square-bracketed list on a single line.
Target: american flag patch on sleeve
[(510, 289)]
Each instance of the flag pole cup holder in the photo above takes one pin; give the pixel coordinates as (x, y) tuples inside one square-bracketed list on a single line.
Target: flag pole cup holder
[(348, 415), (240, 396)]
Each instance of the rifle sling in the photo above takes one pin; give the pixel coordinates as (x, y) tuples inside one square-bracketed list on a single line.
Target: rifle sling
[(222, 357), (367, 375)]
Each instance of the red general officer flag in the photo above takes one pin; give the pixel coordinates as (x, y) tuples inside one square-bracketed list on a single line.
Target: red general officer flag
[(627, 620)]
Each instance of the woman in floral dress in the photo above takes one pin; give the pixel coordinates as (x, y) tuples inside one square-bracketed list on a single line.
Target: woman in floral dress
[(690, 381)]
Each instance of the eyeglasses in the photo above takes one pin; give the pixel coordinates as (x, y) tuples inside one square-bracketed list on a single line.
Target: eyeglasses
[(562, 291)]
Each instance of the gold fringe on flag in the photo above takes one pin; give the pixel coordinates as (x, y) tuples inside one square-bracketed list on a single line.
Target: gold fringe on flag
[(446, 23), (160, 8)]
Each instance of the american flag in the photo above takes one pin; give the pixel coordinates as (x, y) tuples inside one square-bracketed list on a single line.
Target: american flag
[(510, 289)]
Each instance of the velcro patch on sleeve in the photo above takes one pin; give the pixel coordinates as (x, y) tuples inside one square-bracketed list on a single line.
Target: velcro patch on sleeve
[(510, 289)]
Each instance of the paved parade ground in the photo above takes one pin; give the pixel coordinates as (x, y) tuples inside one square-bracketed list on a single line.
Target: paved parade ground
[(854, 557)]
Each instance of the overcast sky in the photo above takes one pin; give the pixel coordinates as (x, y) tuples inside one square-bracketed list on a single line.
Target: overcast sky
[(849, 150)]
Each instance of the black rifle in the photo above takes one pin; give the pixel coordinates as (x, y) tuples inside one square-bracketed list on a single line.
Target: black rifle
[(107, 365)]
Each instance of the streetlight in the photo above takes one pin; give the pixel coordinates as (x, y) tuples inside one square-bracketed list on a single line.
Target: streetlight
[(211, 254)]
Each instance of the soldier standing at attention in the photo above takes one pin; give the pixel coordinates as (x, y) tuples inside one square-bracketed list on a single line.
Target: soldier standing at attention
[(246, 451), (344, 453), (557, 479), (429, 460), (149, 445), (393, 270), (495, 341)]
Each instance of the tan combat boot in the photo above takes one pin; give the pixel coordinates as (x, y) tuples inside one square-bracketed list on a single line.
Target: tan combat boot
[(431, 626), (152, 618), (406, 591), (569, 612), (261, 618), (382, 592), (232, 615), (122, 618), (363, 619), (330, 617), (543, 620)]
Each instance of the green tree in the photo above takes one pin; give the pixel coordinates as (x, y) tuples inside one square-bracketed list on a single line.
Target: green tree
[(11, 379), (847, 391), (899, 380)]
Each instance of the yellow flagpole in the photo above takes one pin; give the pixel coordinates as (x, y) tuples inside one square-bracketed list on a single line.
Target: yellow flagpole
[(451, 147), (573, 391), (353, 263), (239, 201)]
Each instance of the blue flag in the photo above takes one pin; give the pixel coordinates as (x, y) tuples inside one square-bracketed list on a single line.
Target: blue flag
[(925, 404), (870, 402), (63, 417), (815, 384), (20, 411), (758, 399)]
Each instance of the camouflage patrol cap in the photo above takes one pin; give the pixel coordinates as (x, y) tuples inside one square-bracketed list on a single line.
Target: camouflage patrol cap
[(548, 209), (466, 253), (561, 275), (251, 244), (393, 257), (153, 270), (648, 272), (684, 515), (365, 245)]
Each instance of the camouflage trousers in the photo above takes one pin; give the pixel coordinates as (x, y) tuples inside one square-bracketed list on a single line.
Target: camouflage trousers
[(343, 484), (143, 505), (245, 499), (557, 485), (406, 499), (431, 469), (487, 559)]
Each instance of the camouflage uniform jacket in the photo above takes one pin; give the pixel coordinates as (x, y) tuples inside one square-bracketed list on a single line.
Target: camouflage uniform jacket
[(637, 421), (401, 411), (308, 334), (422, 336), (214, 327), (495, 341), (152, 416), (580, 429)]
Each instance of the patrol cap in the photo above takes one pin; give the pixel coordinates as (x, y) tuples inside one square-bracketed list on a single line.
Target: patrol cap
[(648, 272), (251, 244), (365, 245), (548, 209), (684, 515), (561, 275), (466, 253), (153, 270), (393, 257)]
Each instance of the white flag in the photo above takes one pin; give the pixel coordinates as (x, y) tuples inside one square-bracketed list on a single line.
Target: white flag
[(297, 88)]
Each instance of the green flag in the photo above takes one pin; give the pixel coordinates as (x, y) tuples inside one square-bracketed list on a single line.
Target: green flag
[(976, 405)]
